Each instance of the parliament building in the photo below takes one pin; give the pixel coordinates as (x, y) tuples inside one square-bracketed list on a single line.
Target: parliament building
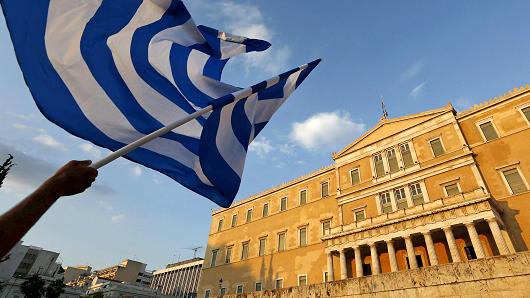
[(426, 189)]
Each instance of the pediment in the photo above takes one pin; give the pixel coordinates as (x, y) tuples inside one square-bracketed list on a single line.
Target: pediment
[(389, 127)]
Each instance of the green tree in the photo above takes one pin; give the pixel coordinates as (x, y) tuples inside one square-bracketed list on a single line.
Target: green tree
[(5, 167), (55, 289), (33, 287)]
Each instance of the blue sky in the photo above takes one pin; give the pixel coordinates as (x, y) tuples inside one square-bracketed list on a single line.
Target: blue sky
[(418, 54)]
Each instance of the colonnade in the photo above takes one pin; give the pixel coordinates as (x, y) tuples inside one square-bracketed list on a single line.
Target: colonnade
[(411, 254)]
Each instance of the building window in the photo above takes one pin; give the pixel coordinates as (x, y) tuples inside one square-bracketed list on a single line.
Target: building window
[(283, 204), (326, 278), (214, 257), (326, 227), (262, 243), (303, 197), (239, 289), (302, 280), (324, 189), (401, 198), (392, 160), (234, 220), (302, 232), (265, 210), (244, 251), (281, 241), (515, 181), (259, 287), (378, 165), (437, 147), (470, 252), (207, 293), (228, 256), (416, 194), (220, 225), (222, 292), (406, 155), (386, 203), (451, 189), (249, 215), (355, 177), (278, 283), (488, 131), (526, 113), (359, 215)]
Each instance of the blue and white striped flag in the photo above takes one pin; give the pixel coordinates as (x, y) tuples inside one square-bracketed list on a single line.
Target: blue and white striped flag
[(112, 71)]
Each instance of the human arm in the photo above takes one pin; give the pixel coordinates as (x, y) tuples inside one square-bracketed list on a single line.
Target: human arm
[(73, 178)]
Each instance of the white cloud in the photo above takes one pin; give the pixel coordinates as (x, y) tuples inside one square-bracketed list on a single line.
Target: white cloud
[(261, 146), (105, 205), (117, 217), (417, 91), (91, 150), (326, 129), (21, 126), (136, 171), (49, 141), (412, 71)]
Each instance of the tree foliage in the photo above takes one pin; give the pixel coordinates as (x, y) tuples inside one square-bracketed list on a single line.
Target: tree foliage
[(33, 287), (55, 289), (5, 167)]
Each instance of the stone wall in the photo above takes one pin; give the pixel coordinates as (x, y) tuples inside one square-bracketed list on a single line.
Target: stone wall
[(501, 276)]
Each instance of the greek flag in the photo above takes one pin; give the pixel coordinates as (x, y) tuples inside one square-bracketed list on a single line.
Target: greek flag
[(111, 72)]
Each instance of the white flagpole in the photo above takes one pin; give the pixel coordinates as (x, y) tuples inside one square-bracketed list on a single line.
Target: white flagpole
[(141, 141)]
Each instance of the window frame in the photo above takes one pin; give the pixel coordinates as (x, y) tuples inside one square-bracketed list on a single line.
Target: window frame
[(228, 257), (284, 233), (300, 196), (238, 286), (213, 261), (445, 184), (322, 189), (251, 210), (207, 293), (325, 276), (358, 169), (387, 151), (379, 197), (220, 224), (263, 215), (260, 286), (363, 209), (409, 145), (286, 203), (243, 244), (298, 279), (322, 225), (512, 167), (306, 228), (233, 224), (276, 283), (441, 144), (380, 154), (521, 108), (484, 121), (260, 253)]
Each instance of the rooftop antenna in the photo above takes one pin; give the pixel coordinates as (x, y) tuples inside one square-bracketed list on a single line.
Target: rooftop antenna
[(195, 249), (385, 113)]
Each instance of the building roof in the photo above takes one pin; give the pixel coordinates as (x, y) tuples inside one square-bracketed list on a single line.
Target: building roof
[(495, 100), (184, 262)]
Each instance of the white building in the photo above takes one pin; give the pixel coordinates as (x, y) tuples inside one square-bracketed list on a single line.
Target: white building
[(114, 289), (180, 279), (24, 260)]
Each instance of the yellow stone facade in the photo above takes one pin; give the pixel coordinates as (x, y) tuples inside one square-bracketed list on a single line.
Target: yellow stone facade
[(421, 190)]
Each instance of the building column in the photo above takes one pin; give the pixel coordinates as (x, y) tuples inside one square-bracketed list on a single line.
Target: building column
[(410, 252), (330, 266), (433, 258), (343, 270), (452, 244), (393, 200), (410, 203), (392, 255), (475, 240), (497, 235), (376, 268), (358, 262)]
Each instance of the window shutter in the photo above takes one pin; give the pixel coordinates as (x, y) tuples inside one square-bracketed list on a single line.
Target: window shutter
[(515, 181), (452, 189), (437, 147), (406, 154), (488, 131), (392, 160)]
